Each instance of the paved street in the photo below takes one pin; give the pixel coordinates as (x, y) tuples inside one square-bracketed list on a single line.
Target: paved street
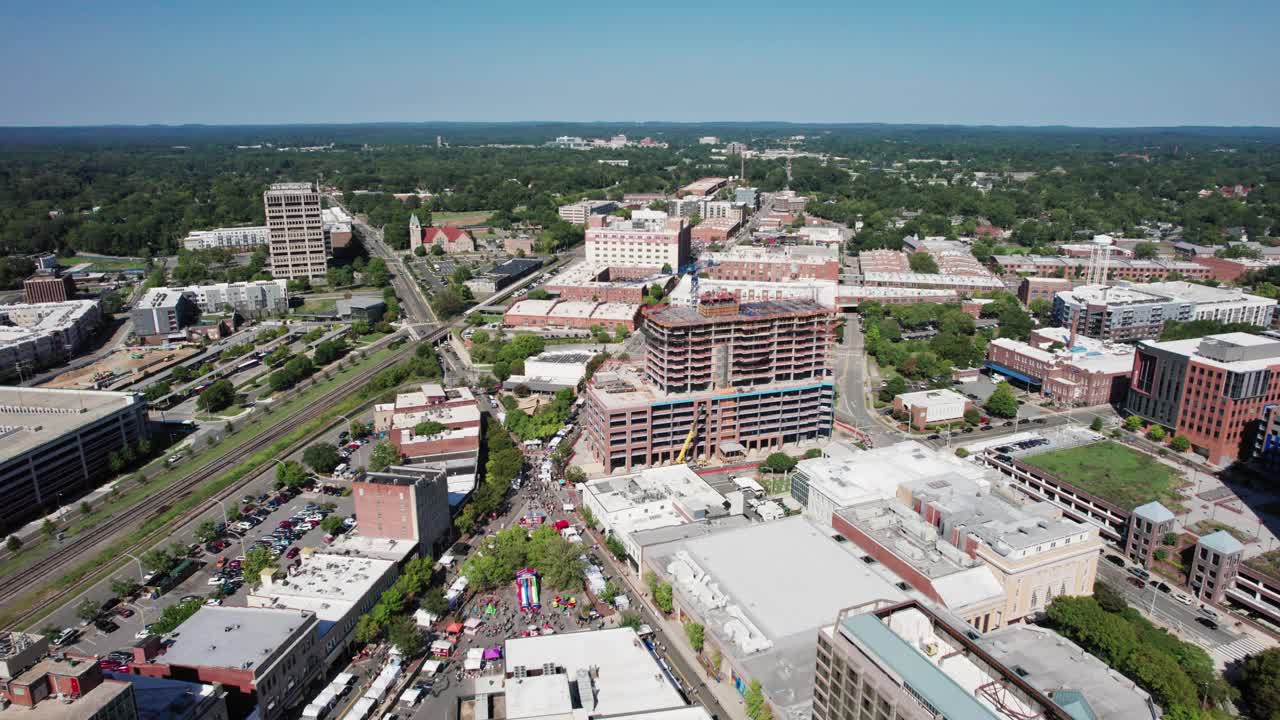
[(852, 386)]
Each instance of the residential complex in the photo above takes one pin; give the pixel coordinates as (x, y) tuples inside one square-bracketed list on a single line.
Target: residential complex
[(1071, 369), (820, 292), (577, 213), (1118, 313), (49, 288), (163, 313), (951, 256), (963, 284), (1117, 268), (1211, 390), (1042, 288), (295, 227), (405, 502), (254, 298), (910, 662), (1220, 304), (41, 334), (56, 444), (238, 239), (648, 242), (781, 264), (722, 378)]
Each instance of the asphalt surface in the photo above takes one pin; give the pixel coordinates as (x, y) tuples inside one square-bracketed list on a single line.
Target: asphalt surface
[(1187, 620)]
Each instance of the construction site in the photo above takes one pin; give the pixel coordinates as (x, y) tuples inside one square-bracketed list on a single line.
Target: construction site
[(121, 368), (720, 380)]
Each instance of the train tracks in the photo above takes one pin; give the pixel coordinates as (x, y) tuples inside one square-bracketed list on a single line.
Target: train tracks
[(83, 545)]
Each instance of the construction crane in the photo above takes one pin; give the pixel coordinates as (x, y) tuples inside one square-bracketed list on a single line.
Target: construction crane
[(693, 432)]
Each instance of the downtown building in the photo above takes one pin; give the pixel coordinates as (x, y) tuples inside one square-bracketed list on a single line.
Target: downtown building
[(295, 227), (648, 241), (768, 265), (253, 298), (236, 239), (1212, 390), (35, 335), (718, 380), (1071, 369)]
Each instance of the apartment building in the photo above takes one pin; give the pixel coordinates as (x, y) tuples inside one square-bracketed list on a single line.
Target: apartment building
[(253, 299), (40, 334), (648, 241), (1212, 390), (1041, 288), (1117, 269), (773, 264), (163, 312), (405, 502), (963, 284), (951, 256), (577, 213), (907, 661), (235, 239), (722, 378), (49, 288), (1219, 304), (295, 227), (883, 261), (56, 446), (1214, 566), (1072, 369), (1118, 313)]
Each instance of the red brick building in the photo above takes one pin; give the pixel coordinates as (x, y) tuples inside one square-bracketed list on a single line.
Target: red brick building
[(47, 288), (1043, 288), (454, 408), (1211, 390), (1228, 270), (776, 264)]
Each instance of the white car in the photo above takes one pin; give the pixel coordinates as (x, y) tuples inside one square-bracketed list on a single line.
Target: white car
[(1183, 598), (145, 632), (305, 527)]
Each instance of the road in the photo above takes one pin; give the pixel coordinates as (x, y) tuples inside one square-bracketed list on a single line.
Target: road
[(1186, 620), (415, 301), (852, 386)]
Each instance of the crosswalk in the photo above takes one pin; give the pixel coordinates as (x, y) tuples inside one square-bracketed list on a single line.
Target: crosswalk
[(1238, 649)]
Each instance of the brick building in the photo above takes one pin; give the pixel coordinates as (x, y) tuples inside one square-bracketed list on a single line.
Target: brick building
[(720, 378), (572, 314), (1147, 526), (49, 288), (451, 238), (1118, 313), (773, 264), (591, 281), (1214, 566), (1073, 370), (405, 502), (1212, 390), (932, 407), (454, 408), (703, 187), (1117, 269), (1044, 288)]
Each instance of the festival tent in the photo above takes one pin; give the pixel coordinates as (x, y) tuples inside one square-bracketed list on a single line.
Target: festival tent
[(493, 653), (454, 628)]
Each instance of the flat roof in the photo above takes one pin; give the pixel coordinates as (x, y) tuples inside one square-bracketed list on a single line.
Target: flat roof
[(626, 677), (655, 497), (165, 698), (1202, 294), (35, 416), (516, 266), (929, 398), (746, 311), (536, 308), (384, 548), (1060, 669), (87, 705), (1190, 348), (849, 475), (326, 584), (989, 281), (234, 637)]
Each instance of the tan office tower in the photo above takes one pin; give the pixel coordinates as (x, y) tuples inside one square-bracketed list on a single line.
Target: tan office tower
[(296, 230)]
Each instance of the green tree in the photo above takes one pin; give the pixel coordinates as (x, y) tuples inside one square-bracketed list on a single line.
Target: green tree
[(1002, 402), (754, 700), (403, 634), (1108, 599), (923, 262), (972, 416), (13, 543), (291, 474), (1145, 251), (428, 428), (218, 396), (123, 587), (434, 602), (1096, 425), (175, 615), (159, 561), (1180, 443), (1133, 422), (695, 633), (321, 457), (331, 524), (384, 455), (1041, 308), (206, 531), (1156, 433), (575, 475), (779, 462), (631, 619), (1259, 683), (610, 593), (893, 387), (588, 517), (662, 597), (48, 528), (87, 610), (616, 547), (256, 560)]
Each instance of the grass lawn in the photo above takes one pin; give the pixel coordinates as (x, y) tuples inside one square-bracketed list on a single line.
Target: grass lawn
[(227, 412), (467, 217), (318, 306), (370, 337), (1268, 563), (1205, 527), (135, 492), (1114, 473), (103, 264)]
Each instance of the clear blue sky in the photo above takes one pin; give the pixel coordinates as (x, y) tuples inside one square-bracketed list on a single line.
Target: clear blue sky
[(1076, 62)]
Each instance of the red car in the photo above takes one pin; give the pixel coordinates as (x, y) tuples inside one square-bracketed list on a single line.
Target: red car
[(123, 611), (292, 553), (284, 524)]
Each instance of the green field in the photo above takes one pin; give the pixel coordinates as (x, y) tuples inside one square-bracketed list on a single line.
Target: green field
[(103, 264), (1114, 473), (318, 306), (468, 217)]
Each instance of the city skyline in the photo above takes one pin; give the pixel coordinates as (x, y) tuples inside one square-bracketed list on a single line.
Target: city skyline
[(1092, 65)]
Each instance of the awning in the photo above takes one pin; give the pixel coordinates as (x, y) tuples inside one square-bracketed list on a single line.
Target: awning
[(454, 628), (1012, 373)]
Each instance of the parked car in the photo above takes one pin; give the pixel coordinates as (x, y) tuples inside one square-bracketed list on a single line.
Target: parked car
[(145, 632), (1115, 560), (123, 612), (105, 625), (292, 553)]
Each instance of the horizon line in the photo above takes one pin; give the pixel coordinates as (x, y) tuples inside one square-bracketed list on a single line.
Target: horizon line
[(637, 123)]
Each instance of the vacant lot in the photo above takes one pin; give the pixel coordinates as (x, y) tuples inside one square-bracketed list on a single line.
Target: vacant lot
[(1114, 473)]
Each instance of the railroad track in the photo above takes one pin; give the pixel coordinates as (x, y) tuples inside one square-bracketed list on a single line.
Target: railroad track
[(82, 545)]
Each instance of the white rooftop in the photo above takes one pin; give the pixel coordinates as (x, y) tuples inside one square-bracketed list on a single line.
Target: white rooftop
[(849, 475), (625, 675), (327, 584), (234, 637), (929, 398), (654, 498)]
